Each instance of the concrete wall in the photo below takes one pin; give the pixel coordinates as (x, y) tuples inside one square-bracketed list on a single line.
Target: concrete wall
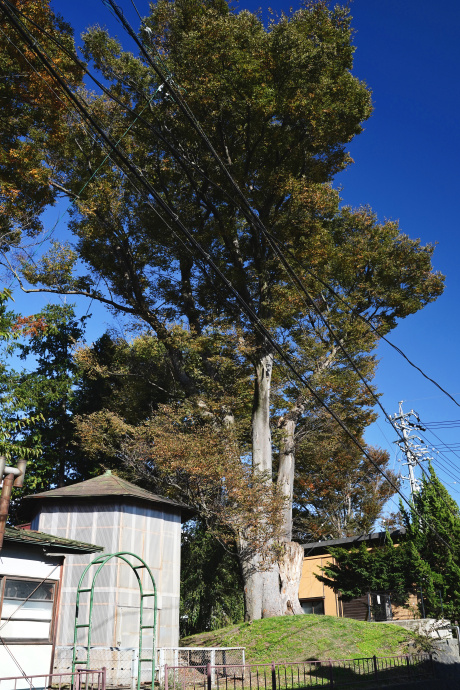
[(152, 534)]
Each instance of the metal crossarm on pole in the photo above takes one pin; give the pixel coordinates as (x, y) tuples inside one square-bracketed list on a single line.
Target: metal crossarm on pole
[(415, 453)]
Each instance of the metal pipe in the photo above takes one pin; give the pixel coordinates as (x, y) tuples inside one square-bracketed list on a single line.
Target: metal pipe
[(2, 466), (19, 481), (5, 504), (12, 470)]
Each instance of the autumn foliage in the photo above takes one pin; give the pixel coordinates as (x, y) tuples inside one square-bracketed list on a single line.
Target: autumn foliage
[(185, 455), (34, 118)]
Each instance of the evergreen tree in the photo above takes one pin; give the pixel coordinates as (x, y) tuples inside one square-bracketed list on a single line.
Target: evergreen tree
[(47, 392), (15, 419), (211, 585), (440, 554)]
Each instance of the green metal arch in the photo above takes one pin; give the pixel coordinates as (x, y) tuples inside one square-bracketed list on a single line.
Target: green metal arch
[(101, 561)]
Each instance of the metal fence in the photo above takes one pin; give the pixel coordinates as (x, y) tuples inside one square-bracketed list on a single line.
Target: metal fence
[(82, 679), (198, 656), (345, 673), (120, 663)]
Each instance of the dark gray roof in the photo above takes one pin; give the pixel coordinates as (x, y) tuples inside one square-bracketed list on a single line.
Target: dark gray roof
[(58, 544), (353, 541), (108, 485)]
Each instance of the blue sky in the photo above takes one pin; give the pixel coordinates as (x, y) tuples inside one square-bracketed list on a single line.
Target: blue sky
[(406, 168)]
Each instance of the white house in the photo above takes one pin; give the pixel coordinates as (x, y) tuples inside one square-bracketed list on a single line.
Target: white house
[(31, 568)]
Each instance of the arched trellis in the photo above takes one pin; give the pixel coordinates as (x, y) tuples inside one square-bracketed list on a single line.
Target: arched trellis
[(101, 562)]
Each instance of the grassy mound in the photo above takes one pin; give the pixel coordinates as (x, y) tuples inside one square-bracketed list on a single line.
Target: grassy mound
[(299, 638)]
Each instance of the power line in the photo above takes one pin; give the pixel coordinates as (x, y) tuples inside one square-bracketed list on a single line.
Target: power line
[(247, 210), (114, 149), (253, 219)]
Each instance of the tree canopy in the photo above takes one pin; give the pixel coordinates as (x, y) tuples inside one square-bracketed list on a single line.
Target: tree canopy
[(33, 122), (279, 104)]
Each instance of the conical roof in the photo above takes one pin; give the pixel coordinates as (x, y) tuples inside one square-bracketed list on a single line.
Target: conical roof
[(109, 486)]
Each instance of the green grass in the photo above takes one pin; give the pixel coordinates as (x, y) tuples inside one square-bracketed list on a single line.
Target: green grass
[(299, 638)]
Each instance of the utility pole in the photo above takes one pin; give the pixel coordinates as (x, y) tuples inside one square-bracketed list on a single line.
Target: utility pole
[(415, 453)]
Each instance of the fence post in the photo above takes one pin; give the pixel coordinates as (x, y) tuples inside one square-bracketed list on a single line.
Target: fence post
[(331, 673), (273, 676), (134, 668), (208, 675), (161, 663), (104, 677), (166, 676), (374, 658), (408, 665), (432, 665), (213, 665)]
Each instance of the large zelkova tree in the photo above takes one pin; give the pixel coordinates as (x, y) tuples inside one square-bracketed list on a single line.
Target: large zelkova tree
[(279, 104)]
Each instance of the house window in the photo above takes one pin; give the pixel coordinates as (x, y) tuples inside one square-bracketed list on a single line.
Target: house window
[(313, 606), (27, 607)]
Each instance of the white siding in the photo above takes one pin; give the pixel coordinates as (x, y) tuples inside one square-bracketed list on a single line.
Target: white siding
[(18, 560)]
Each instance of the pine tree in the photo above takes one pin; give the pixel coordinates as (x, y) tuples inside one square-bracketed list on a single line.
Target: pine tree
[(436, 538)]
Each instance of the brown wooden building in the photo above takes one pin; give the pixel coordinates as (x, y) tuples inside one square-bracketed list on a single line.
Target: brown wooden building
[(316, 597)]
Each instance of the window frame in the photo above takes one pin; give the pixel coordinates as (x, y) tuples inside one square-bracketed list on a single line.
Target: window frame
[(52, 623), (313, 600)]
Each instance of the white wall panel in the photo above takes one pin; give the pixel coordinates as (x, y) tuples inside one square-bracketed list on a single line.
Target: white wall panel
[(149, 532), (21, 561), (33, 659)]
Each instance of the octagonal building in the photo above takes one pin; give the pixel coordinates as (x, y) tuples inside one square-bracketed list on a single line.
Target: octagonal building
[(120, 517)]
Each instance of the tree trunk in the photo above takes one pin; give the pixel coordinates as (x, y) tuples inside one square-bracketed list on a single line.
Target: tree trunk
[(285, 481), (261, 579), (291, 560), (261, 436), (271, 588), (290, 567), (262, 596), (286, 472)]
